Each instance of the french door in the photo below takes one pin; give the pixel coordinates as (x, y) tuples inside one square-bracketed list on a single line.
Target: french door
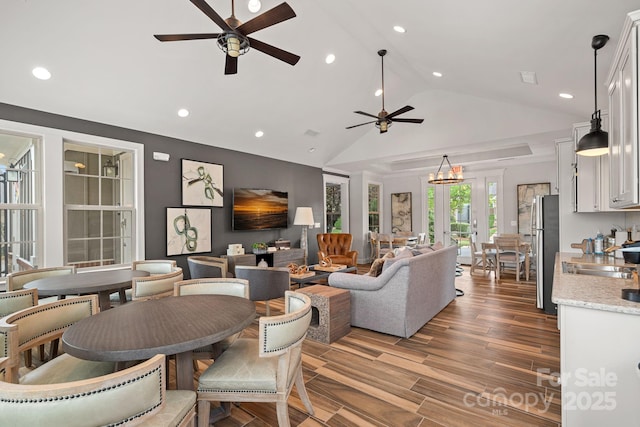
[(455, 212)]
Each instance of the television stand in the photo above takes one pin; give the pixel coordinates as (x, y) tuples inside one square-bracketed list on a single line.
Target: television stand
[(280, 258)]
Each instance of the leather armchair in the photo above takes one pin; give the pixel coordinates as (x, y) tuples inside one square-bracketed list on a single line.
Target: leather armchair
[(337, 246)]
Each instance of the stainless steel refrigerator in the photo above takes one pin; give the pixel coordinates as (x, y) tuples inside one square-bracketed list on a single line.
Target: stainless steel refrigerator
[(545, 231)]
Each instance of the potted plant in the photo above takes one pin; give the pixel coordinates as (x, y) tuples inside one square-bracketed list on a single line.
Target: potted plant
[(260, 248)]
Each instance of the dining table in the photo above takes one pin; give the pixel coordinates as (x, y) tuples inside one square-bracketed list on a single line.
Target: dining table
[(103, 283), (174, 325), (489, 252)]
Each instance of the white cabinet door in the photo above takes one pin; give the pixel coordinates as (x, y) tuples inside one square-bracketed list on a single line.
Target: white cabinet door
[(599, 367), (623, 135)]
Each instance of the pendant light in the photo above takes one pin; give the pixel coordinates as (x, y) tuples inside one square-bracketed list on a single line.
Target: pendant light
[(596, 142), (454, 175)]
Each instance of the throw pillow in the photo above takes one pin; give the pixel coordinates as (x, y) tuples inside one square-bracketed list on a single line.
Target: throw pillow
[(377, 264)]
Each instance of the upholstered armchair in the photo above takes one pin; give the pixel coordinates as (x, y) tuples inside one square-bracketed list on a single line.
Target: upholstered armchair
[(337, 247), (133, 396)]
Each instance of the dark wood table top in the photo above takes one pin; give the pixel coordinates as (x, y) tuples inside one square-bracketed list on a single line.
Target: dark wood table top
[(85, 283), (170, 325)]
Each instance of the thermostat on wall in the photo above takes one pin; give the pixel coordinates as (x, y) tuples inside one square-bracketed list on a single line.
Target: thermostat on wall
[(163, 157)]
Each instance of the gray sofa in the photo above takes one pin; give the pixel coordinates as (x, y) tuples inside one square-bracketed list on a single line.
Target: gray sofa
[(405, 296)]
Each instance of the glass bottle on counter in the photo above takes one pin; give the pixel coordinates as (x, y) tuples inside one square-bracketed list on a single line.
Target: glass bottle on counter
[(589, 249), (598, 244)]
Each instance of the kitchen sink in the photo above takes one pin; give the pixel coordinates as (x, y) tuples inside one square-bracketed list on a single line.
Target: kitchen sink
[(614, 271)]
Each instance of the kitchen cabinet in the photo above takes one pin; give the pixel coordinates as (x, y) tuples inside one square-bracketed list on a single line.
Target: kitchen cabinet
[(623, 118), (592, 175), (599, 367)]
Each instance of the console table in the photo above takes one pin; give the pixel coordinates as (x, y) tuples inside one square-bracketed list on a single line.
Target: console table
[(280, 258)]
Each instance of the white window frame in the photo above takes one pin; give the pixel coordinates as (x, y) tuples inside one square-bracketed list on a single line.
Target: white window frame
[(344, 199), (51, 237)]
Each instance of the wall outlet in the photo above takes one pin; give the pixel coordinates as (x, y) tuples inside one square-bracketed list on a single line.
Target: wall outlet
[(316, 225), (514, 223)]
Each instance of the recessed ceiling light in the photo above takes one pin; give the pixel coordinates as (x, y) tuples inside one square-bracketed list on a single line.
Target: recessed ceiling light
[(565, 95), (330, 58), (437, 74), (259, 134), (41, 73), (399, 29), (529, 77), (378, 92), (254, 6), (183, 112)]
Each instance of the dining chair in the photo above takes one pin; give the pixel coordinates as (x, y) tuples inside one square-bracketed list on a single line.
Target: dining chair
[(155, 266), (384, 244), (213, 286), (156, 285), (263, 369), (405, 238), (477, 260), (136, 395), (422, 239), (207, 266), (508, 251), (18, 279), (32, 326), (12, 301), (265, 283)]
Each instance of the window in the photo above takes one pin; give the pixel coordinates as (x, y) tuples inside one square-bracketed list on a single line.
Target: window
[(20, 202), (492, 207), (99, 207), (336, 202), (374, 207)]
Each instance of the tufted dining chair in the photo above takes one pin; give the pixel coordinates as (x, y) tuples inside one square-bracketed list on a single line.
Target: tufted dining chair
[(263, 369), (337, 247), (137, 395), (265, 283), (155, 266), (156, 285), (207, 266), (213, 286), (29, 327)]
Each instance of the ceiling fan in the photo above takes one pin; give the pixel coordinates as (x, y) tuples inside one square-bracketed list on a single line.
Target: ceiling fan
[(383, 120), (234, 40)]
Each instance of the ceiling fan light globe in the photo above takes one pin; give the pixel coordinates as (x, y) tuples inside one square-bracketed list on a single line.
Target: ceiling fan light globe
[(233, 47)]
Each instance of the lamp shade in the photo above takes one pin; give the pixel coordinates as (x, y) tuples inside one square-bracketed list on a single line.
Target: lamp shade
[(304, 216), (595, 143)]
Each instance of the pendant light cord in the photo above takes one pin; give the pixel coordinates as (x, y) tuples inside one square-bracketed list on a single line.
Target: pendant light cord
[(382, 65), (595, 80)]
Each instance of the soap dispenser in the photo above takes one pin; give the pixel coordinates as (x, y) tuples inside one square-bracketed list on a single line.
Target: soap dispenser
[(598, 244)]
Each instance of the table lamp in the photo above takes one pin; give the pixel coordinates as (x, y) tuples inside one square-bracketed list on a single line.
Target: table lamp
[(304, 217)]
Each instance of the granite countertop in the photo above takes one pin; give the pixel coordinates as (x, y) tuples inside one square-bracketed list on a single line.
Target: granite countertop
[(582, 290)]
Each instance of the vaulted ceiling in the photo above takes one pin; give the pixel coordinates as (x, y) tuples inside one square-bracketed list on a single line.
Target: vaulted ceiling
[(106, 66)]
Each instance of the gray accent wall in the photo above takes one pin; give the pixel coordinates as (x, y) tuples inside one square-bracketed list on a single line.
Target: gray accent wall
[(303, 184)]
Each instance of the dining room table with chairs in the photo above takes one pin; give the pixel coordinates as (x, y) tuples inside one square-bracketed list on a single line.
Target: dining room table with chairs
[(512, 249), (173, 325)]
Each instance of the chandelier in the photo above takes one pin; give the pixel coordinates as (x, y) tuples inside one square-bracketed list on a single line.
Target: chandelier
[(454, 175)]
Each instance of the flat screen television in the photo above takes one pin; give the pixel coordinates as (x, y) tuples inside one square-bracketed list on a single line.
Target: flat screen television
[(258, 209)]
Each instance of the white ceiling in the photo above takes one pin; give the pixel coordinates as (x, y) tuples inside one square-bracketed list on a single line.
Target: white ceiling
[(108, 67)]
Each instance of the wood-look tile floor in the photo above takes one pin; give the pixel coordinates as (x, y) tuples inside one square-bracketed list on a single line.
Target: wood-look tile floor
[(490, 358)]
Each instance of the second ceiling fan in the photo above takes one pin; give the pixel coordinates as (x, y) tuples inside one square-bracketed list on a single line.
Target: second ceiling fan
[(383, 120)]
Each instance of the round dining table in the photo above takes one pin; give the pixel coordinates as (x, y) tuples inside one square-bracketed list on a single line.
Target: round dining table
[(170, 325), (103, 283)]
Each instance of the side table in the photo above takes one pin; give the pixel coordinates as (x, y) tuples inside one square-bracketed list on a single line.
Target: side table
[(331, 313)]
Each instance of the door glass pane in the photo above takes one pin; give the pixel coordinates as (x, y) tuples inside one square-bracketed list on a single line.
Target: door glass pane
[(431, 214), (492, 205), (334, 215), (374, 207), (460, 217)]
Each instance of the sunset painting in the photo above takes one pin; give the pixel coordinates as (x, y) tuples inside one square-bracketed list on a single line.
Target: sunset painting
[(255, 209)]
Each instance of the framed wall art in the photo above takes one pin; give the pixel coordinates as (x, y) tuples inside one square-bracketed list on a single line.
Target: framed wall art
[(188, 231), (202, 184), (526, 194), (400, 212)]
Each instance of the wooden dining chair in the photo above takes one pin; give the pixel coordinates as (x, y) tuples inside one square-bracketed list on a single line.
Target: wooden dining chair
[(263, 369), (477, 260), (508, 252), (384, 244)]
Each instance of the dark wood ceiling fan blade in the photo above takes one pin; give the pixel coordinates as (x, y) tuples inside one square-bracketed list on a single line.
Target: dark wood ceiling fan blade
[(231, 65), (212, 14), (366, 114), (361, 124), (400, 111), (178, 37), (280, 13), (277, 53), (408, 120)]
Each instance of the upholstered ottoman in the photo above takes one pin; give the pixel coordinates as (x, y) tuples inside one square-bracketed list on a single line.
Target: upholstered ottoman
[(331, 313)]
